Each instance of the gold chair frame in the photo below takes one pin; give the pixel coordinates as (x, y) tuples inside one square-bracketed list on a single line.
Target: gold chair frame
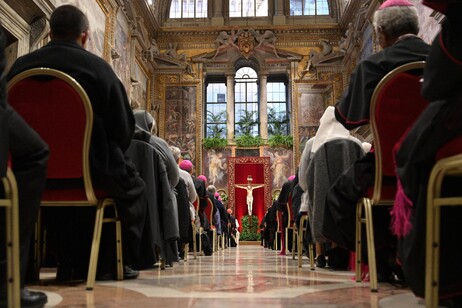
[(91, 199), (11, 204), (298, 240), (212, 227), (450, 166), (376, 199), (288, 227)]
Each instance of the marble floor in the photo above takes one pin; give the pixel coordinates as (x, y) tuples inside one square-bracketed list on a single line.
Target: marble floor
[(247, 275)]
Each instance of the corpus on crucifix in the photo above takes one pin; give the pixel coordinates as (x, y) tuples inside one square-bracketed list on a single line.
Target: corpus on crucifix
[(249, 187)]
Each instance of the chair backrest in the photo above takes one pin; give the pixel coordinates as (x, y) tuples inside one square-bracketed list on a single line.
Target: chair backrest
[(395, 105), (58, 109), (209, 211)]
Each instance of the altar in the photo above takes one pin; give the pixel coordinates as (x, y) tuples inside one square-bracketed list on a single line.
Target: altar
[(239, 170)]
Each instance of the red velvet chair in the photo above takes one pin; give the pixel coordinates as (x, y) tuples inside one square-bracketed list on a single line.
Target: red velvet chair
[(449, 164), (59, 110), (9, 201), (395, 105)]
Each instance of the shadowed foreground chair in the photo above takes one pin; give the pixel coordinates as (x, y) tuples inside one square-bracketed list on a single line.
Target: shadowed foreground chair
[(9, 201), (395, 105), (59, 110), (449, 164)]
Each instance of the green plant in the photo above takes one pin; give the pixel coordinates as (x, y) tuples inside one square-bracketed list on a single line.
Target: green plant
[(215, 139), (250, 228), (217, 143), (249, 141), (214, 129), (278, 125), (246, 123), (281, 141)]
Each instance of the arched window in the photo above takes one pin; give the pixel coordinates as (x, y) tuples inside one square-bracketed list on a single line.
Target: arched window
[(188, 9), (248, 8), (246, 109), (309, 7)]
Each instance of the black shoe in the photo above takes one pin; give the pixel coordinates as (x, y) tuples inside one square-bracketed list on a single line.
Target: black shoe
[(320, 261), (33, 299), (129, 273)]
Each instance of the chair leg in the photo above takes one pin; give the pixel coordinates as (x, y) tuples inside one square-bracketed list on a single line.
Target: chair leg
[(12, 240), (194, 240), (120, 262), (294, 242), (311, 254), (200, 242), (300, 242), (286, 239), (432, 249), (370, 245), (358, 240), (37, 246), (95, 246), (185, 252)]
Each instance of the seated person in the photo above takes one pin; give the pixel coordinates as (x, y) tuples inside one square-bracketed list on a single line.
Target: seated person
[(332, 151), (113, 128), (438, 124), (161, 174), (29, 157), (396, 22), (283, 199)]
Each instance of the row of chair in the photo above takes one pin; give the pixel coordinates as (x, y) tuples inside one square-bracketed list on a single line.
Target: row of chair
[(393, 111)]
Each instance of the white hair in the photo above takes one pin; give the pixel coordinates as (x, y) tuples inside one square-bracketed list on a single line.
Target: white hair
[(176, 152), (397, 20)]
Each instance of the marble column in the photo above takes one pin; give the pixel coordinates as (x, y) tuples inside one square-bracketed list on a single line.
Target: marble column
[(230, 108), (262, 80), (279, 18), (217, 13)]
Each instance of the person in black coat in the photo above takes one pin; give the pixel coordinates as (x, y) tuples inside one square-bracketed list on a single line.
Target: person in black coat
[(113, 128), (29, 157), (438, 124)]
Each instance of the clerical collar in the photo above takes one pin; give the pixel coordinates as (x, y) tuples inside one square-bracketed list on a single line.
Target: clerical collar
[(405, 37)]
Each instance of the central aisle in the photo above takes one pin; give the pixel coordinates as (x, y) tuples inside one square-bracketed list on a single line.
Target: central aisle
[(243, 276)]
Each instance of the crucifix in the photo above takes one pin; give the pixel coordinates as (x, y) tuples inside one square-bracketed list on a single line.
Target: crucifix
[(249, 188)]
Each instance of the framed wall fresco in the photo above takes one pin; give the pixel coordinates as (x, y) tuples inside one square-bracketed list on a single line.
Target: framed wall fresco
[(122, 50), (281, 165), (180, 119), (216, 168), (97, 18), (139, 95)]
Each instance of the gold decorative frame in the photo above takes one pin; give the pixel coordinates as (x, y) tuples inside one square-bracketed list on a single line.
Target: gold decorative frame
[(232, 161)]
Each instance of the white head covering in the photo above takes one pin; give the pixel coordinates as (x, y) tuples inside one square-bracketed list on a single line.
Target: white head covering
[(366, 147), (329, 128)]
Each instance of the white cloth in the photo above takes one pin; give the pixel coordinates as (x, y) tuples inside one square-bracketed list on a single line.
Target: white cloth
[(305, 202), (330, 128), (304, 162), (192, 195)]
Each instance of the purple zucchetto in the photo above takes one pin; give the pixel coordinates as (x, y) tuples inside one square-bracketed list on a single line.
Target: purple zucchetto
[(291, 178), (186, 165), (390, 3), (202, 178)]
